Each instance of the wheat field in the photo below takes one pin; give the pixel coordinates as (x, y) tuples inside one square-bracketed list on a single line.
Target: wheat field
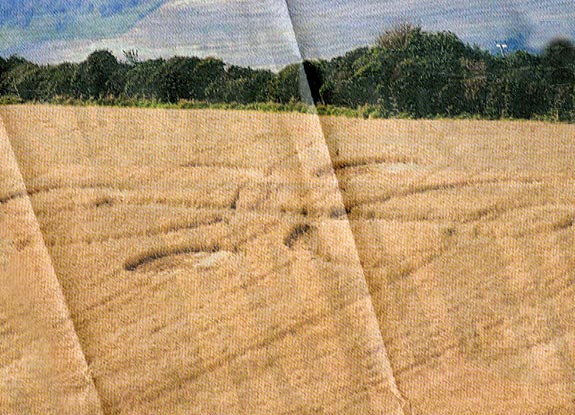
[(232, 262)]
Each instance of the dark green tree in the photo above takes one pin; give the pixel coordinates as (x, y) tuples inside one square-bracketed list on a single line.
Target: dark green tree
[(99, 75), (285, 87), (241, 85), (208, 71), (20, 78), (176, 79), (315, 72), (559, 62), (559, 58), (527, 89), (143, 79)]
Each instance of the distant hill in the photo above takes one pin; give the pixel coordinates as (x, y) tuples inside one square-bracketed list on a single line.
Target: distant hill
[(24, 22), (258, 33)]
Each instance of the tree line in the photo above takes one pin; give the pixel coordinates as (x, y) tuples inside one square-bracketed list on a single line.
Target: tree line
[(408, 72)]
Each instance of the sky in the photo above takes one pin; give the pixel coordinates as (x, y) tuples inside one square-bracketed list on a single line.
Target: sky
[(264, 33)]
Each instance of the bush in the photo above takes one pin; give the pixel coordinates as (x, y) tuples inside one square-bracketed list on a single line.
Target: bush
[(10, 100)]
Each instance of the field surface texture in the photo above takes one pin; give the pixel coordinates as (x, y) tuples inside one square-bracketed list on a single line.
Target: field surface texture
[(231, 262)]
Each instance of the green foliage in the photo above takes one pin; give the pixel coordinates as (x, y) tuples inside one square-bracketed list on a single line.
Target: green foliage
[(559, 57), (174, 80), (10, 100), (143, 79), (409, 73), (99, 75), (285, 87), (399, 37), (241, 85), (187, 78)]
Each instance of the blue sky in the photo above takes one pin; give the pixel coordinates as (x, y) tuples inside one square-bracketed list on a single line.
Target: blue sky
[(263, 33)]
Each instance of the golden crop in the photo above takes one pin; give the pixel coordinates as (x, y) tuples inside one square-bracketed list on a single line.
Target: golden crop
[(232, 262)]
